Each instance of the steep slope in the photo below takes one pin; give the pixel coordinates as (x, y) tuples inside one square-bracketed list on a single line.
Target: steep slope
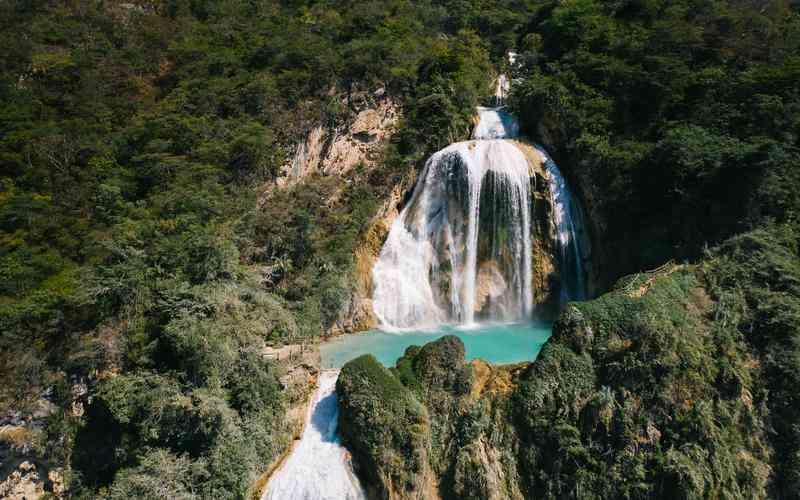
[(667, 387)]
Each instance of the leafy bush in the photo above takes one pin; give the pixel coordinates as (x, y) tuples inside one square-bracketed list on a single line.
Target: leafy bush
[(665, 111), (384, 426)]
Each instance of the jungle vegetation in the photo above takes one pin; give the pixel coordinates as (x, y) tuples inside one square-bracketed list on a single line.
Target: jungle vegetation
[(136, 140)]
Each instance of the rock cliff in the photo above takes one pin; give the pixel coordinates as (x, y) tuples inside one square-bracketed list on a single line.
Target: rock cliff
[(338, 150), (626, 399)]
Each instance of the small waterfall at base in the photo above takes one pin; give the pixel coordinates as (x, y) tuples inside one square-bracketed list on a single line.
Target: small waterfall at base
[(573, 246), (462, 244), (319, 467)]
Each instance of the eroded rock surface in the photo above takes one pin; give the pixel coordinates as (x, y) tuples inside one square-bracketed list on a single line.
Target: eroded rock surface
[(336, 151), (23, 483)]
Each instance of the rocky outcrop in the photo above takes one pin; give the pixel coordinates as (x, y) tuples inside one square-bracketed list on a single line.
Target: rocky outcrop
[(350, 151), (26, 472), (387, 431), (456, 448), (23, 483), (625, 399), (337, 151)]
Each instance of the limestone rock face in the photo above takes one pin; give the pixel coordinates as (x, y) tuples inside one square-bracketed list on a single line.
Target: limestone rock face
[(307, 157), (336, 151), (368, 126), (348, 151), (479, 473), (356, 315), (23, 483), (489, 284)]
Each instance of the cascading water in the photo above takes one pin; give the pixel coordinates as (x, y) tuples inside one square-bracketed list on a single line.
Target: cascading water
[(462, 244), (494, 123), (460, 249), (573, 246), (501, 89), (319, 467)]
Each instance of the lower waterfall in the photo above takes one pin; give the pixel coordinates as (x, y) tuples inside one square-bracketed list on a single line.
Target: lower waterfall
[(319, 467)]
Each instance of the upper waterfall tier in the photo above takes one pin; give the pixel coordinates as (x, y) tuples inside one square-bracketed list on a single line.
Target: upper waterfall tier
[(462, 244), (495, 123), (461, 248)]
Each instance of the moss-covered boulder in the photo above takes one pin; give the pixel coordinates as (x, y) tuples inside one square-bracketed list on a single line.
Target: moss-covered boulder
[(437, 366), (387, 430), (431, 427)]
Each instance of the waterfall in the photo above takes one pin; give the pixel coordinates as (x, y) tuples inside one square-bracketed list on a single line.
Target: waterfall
[(494, 123), (462, 244), (572, 245), (319, 467)]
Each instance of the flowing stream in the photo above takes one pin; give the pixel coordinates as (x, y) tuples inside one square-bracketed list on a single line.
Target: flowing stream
[(319, 466), (457, 260)]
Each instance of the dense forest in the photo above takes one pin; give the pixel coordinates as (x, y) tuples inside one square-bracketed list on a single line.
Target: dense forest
[(146, 256)]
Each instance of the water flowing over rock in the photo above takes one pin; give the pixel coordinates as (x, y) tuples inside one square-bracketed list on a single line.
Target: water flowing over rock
[(427, 270), (319, 467), (461, 249), (501, 89), (494, 123), (571, 241)]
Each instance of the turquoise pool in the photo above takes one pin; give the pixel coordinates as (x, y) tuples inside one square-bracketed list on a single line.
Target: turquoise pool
[(501, 343)]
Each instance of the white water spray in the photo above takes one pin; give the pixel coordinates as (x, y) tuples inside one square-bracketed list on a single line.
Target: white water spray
[(462, 244), (572, 245), (501, 89), (494, 123), (319, 467)]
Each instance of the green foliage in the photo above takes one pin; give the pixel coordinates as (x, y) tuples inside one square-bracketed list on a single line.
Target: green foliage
[(655, 389), (677, 114), (384, 426), (439, 365), (755, 278), (136, 141), (160, 475)]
